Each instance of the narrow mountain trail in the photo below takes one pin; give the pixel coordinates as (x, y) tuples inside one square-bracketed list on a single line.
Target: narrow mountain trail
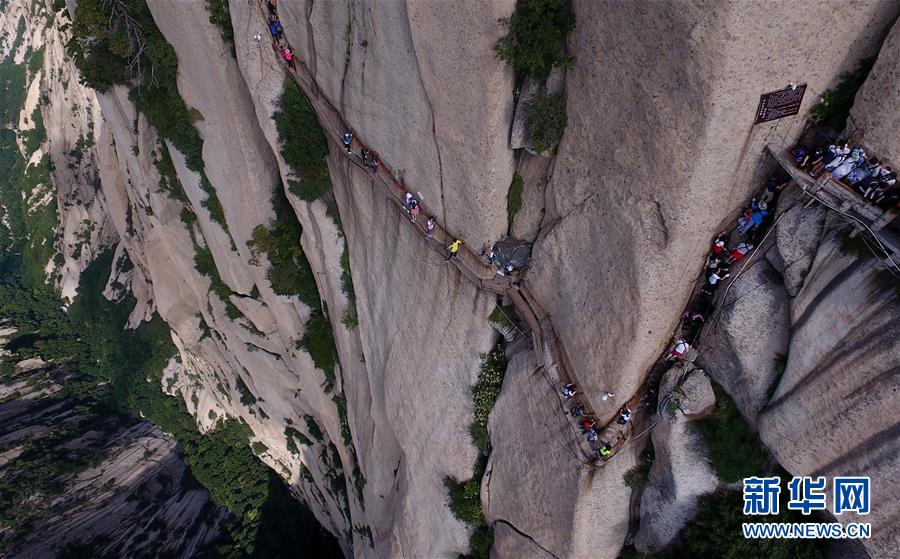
[(550, 353)]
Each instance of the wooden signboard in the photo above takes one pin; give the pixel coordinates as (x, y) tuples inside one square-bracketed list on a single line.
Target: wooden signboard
[(779, 104)]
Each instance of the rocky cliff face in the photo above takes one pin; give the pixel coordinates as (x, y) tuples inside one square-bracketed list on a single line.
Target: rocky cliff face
[(77, 480), (659, 151)]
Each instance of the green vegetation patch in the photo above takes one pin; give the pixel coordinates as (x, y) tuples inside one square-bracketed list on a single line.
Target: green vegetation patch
[(350, 318), (220, 16), (340, 402), (514, 197), (636, 477), (318, 341), (464, 500), (545, 119), (734, 449), (33, 138), (464, 497), (293, 436), (289, 271), (536, 37), (484, 394), (32, 227), (303, 144), (716, 532), (836, 103), (206, 265)]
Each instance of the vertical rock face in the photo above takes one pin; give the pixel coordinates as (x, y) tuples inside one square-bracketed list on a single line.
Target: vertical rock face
[(391, 370), (875, 105), (742, 348), (681, 472), (419, 83), (659, 149), (829, 415)]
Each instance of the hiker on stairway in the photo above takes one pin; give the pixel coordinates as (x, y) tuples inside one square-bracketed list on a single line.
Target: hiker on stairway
[(692, 317), (429, 226), (348, 140), (718, 275), (411, 205), (714, 261), (270, 5), (591, 435), (835, 155), (373, 163), (275, 27), (773, 187), (681, 347), (364, 154), (569, 391), (753, 217), (856, 157), (587, 424), (288, 57), (624, 416), (605, 451), (739, 252), (577, 410), (453, 249), (719, 244)]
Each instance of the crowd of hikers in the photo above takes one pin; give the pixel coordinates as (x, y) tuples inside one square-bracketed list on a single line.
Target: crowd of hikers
[(509, 255), (868, 176), (279, 42), (726, 249)]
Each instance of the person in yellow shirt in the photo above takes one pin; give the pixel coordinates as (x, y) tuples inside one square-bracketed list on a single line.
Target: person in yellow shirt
[(453, 248)]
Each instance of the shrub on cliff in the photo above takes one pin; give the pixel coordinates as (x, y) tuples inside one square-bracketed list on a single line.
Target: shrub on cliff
[(289, 271), (221, 17), (535, 41), (545, 120), (834, 109), (303, 144), (734, 450), (485, 393)]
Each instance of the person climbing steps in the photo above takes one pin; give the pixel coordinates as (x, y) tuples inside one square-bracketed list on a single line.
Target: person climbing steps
[(453, 249), (348, 140), (275, 27), (569, 391), (288, 57)]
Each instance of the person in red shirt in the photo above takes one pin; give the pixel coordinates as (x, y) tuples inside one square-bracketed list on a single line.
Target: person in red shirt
[(739, 252)]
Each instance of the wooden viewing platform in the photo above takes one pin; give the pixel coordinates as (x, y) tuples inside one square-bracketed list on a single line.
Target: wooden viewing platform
[(843, 197)]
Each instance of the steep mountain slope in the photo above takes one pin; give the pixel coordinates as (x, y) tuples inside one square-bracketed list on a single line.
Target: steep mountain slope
[(303, 305)]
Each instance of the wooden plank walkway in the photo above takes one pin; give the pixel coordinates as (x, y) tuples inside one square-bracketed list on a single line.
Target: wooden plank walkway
[(470, 265)]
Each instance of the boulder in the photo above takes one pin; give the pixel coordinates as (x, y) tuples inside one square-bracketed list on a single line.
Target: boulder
[(744, 346), (681, 472), (509, 542), (797, 236), (834, 412), (698, 399), (538, 479)]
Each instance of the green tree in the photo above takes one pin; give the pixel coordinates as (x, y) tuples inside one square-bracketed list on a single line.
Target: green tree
[(535, 40)]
